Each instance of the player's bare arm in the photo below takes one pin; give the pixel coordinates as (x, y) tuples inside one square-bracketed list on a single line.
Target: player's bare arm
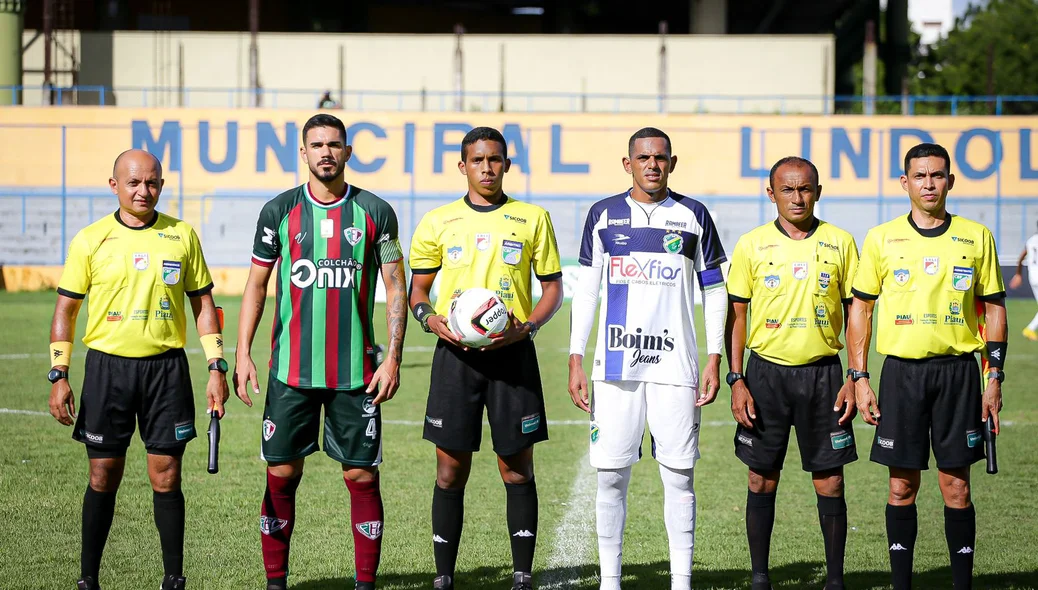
[(547, 306), (994, 331), (252, 302), (421, 285), (207, 322), (735, 343), (387, 376), (859, 335), (62, 329), (845, 401), (1018, 278)]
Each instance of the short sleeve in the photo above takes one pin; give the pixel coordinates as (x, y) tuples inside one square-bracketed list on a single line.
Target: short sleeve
[(75, 277), (711, 252), (989, 274), (425, 257), (850, 267), (546, 263), (740, 273), (591, 250), (198, 281), (266, 248), (866, 282), (387, 235)]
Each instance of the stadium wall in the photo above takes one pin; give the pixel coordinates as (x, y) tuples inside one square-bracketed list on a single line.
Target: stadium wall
[(221, 165)]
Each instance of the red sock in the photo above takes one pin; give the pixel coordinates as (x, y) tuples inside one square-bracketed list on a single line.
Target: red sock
[(276, 522), (366, 517)]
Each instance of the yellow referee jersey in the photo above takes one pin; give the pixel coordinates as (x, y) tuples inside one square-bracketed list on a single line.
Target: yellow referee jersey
[(927, 281), (493, 246), (796, 290), (136, 279)]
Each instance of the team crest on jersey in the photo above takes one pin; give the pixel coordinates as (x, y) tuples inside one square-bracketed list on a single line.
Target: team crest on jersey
[(931, 265), (901, 276), (140, 260), (369, 405), (482, 242), (454, 253), (954, 308), (594, 433), (799, 270), (353, 235), (823, 280), (171, 272), (772, 282), (164, 303), (371, 529), (962, 278), (672, 243), (820, 311), (511, 252), (268, 429)]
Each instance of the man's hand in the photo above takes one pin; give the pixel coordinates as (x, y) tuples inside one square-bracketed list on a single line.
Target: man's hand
[(846, 403), (742, 404), (244, 372), (387, 379), (711, 381), (438, 325), (991, 402), (62, 402), (514, 332), (578, 382), (216, 392), (1016, 281), (868, 407)]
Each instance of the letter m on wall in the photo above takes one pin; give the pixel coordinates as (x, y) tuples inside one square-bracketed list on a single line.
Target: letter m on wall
[(170, 137)]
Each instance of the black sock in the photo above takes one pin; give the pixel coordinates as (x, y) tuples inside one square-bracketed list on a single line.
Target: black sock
[(98, 510), (902, 526), (169, 519), (960, 529), (448, 513), (832, 516), (760, 519), (522, 523)]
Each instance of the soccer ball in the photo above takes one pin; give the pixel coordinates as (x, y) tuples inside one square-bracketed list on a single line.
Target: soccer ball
[(476, 316)]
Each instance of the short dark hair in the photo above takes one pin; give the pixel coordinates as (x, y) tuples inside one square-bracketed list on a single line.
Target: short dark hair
[(796, 160), (925, 150), (324, 120), (482, 134), (645, 133)]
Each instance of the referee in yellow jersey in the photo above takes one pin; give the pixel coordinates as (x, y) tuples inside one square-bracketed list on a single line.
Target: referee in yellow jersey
[(136, 264), (794, 276), (929, 269)]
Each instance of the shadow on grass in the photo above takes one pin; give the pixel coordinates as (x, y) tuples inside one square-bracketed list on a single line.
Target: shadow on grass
[(655, 576)]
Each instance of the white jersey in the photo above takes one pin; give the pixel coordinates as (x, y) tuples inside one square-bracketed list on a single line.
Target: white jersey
[(645, 255), (1032, 258)]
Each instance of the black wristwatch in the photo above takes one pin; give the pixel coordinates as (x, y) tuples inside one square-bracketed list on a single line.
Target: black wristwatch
[(218, 365), (56, 375), (855, 375), (732, 377), (996, 373)]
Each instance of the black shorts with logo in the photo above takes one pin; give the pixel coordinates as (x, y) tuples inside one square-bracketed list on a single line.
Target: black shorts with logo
[(507, 381), (930, 401), (802, 396), (155, 392)]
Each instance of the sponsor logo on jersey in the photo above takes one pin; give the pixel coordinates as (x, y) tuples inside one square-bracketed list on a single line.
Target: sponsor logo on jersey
[(641, 345), (94, 438), (743, 439), (903, 319), (594, 433), (841, 440), (530, 424), (621, 239), (353, 235), (371, 529), (511, 252), (931, 264), (268, 429), (328, 273), (521, 220), (504, 283), (454, 253), (954, 308), (164, 303), (901, 275), (767, 247), (896, 240), (828, 245), (954, 320), (799, 270), (928, 319), (384, 239), (772, 323), (821, 311), (624, 221), (823, 280), (184, 430), (482, 242), (797, 323), (164, 313), (972, 438), (269, 237), (962, 278), (139, 315), (632, 270), (300, 237), (677, 224), (114, 316), (171, 272), (270, 525), (772, 282), (140, 260), (966, 241), (434, 422), (452, 220), (886, 443), (176, 237), (672, 243)]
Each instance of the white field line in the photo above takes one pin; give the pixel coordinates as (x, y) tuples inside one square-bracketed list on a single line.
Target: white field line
[(572, 548)]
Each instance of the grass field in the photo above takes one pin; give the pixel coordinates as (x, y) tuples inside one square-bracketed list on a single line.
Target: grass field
[(43, 474)]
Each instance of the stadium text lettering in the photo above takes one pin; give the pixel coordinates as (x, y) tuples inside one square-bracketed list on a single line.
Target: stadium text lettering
[(168, 142)]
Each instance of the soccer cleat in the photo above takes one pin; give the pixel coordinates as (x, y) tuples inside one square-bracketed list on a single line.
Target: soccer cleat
[(1030, 334), (760, 582), (365, 586), (87, 583), (522, 581), (173, 583), (277, 583), (443, 583)]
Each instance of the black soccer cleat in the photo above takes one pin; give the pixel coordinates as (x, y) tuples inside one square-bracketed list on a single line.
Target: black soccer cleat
[(364, 585), (443, 583), (522, 581), (87, 583), (173, 583), (277, 583)]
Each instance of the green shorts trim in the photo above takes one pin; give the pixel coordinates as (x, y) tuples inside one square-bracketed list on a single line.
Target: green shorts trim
[(292, 423)]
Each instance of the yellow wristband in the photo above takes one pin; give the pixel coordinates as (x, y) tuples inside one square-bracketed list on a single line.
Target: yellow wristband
[(212, 344), (60, 354)]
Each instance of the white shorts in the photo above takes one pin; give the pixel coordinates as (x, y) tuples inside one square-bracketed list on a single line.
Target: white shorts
[(619, 410), (1034, 284)]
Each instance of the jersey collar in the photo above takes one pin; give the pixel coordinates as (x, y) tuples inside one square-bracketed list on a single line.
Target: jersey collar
[(335, 203), (934, 232), (486, 208), (810, 232), (151, 223)]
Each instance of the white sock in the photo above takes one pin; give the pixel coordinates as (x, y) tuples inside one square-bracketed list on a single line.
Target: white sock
[(1034, 323), (679, 514), (610, 516)]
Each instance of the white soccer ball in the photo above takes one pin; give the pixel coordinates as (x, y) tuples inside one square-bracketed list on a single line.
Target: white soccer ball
[(476, 316)]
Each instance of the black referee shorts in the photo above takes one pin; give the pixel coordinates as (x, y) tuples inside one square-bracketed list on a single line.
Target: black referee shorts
[(802, 396), (506, 381), (155, 392), (930, 401)]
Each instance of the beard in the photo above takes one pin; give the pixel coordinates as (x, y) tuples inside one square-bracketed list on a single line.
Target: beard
[(323, 176)]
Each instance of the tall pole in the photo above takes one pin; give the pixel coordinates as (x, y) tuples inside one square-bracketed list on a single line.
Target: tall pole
[(254, 52), (459, 73), (663, 68), (868, 82), (48, 42)]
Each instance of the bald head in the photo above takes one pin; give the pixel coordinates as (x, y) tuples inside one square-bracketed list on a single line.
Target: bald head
[(135, 161), (137, 181)]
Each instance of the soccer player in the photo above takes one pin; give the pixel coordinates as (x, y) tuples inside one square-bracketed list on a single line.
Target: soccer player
[(137, 265), (930, 268), (485, 239), (644, 246), (793, 278), (330, 241), (1030, 254)]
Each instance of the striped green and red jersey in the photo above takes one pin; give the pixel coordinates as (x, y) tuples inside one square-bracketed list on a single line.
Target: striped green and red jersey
[(329, 257)]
